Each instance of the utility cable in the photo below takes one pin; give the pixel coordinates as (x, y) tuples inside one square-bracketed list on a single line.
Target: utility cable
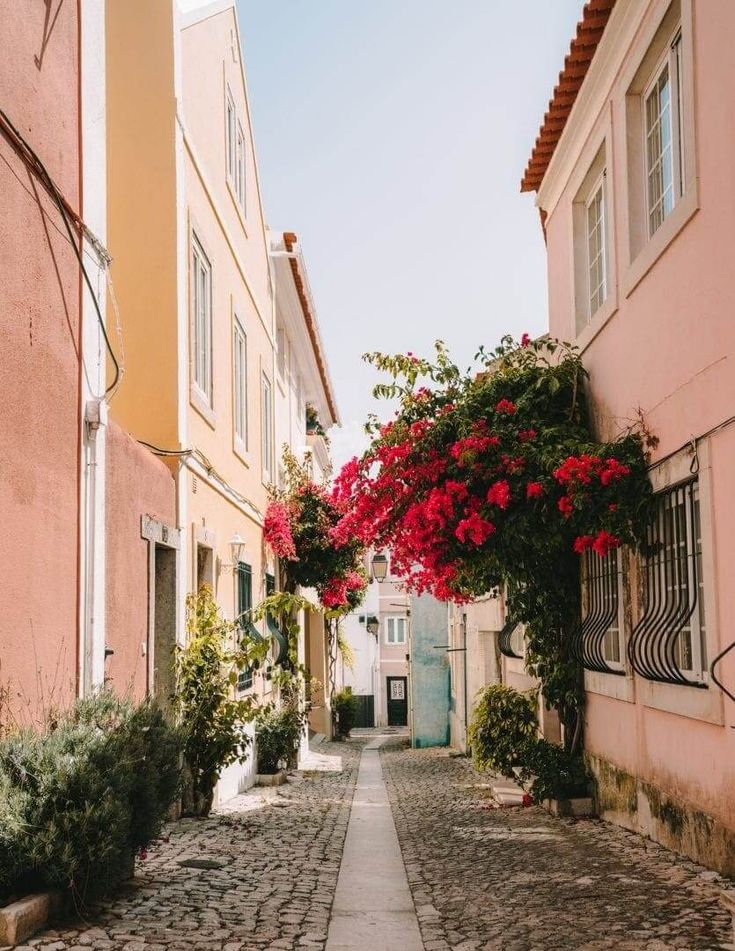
[(34, 163)]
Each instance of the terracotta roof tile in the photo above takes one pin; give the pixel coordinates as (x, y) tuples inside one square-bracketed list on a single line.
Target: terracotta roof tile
[(590, 28)]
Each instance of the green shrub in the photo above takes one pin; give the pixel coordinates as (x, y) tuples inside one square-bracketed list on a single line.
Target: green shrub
[(78, 800), (558, 773), (502, 723), (215, 722), (277, 735), (344, 705)]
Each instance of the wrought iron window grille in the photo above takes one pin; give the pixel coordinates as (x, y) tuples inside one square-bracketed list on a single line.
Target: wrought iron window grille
[(667, 643), (505, 640), (273, 629), (599, 630)]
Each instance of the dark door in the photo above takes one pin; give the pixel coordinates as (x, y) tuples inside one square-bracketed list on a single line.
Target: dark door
[(397, 701)]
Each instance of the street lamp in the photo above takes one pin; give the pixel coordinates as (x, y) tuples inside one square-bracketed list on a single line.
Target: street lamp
[(237, 547), (372, 624), (380, 566)]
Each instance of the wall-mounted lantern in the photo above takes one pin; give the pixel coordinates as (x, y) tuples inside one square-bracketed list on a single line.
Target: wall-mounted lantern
[(380, 566), (373, 624)]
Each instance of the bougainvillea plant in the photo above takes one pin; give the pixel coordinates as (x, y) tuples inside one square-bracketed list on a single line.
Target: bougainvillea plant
[(493, 479), (299, 526)]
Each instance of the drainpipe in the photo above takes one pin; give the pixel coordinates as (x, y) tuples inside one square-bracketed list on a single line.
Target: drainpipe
[(464, 672), (95, 416)]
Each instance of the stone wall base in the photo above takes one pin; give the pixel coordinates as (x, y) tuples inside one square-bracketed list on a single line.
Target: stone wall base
[(643, 807)]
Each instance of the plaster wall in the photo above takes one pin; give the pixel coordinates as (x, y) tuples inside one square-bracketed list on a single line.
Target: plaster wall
[(142, 213), (40, 303), (663, 346), (138, 484), (429, 673)]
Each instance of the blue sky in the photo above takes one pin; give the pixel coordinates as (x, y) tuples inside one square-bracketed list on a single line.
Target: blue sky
[(391, 136)]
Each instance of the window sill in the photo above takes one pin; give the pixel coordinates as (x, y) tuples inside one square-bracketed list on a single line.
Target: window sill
[(692, 702), (199, 402), (597, 322), (241, 451), (648, 255), (610, 685)]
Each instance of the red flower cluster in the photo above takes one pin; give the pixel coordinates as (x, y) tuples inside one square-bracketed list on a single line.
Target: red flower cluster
[(277, 530), (534, 490), (602, 543), (499, 494), (335, 594), (477, 529), (581, 470), (505, 406)]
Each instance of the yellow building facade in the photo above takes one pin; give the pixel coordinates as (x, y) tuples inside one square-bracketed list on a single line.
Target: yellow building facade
[(193, 286)]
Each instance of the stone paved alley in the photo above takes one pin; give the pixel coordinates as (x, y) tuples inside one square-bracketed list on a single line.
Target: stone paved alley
[(512, 879)]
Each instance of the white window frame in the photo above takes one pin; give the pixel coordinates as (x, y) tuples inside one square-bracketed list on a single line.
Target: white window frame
[(201, 321), (230, 136), (266, 424), (395, 633), (670, 62), (241, 170), (596, 296), (240, 384)]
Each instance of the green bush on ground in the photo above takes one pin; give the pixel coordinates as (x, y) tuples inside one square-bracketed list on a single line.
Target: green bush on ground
[(277, 736), (80, 798), (503, 722), (557, 774), (344, 705)]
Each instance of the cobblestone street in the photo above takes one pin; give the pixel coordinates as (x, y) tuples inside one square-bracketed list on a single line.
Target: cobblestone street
[(519, 880), (512, 880)]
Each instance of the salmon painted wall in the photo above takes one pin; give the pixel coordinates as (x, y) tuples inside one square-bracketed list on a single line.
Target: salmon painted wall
[(39, 376), (137, 484), (666, 348)]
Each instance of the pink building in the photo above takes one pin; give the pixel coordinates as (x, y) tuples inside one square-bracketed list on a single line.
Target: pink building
[(632, 174), (64, 630)]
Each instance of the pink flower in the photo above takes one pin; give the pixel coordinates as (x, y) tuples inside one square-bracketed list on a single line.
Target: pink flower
[(505, 406), (475, 528), (565, 506), (499, 494), (583, 543), (534, 490), (604, 543), (525, 340), (526, 435), (277, 530)]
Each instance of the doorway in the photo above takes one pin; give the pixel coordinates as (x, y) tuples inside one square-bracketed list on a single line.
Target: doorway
[(397, 694)]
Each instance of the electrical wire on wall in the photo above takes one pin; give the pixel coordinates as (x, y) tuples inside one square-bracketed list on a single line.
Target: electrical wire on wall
[(212, 473), (69, 217)]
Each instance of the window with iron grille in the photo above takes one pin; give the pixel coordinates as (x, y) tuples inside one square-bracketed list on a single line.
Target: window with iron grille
[(511, 642), (601, 629), (669, 642), (245, 625)]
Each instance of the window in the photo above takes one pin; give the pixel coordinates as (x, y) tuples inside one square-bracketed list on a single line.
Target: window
[(230, 143), (395, 630), (266, 422), (596, 247), (240, 383), (201, 306), (669, 641), (240, 170), (244, 607), (601, 630), (663, 139)]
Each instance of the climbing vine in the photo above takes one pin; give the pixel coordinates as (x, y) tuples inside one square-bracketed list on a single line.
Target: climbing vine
[(492, 478), (300, 525)]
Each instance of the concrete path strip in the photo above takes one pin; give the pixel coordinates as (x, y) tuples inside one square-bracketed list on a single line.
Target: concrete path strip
[(373, 908)]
